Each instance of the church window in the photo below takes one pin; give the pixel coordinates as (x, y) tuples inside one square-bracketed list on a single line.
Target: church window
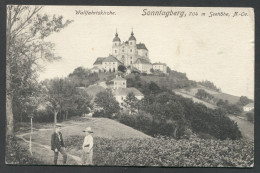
[(131, 62), (115, 44), (130, 43), (130, 50), (123, 83), (123, 50)]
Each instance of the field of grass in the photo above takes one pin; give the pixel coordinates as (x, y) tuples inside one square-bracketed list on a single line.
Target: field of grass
[(196, 100), (219, 95), (246, 127), (102, 127)]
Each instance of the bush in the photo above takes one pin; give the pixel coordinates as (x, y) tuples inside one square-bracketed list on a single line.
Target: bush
[(15, 154), (250, 116), (43, 116), (164, 151), (98, 113)]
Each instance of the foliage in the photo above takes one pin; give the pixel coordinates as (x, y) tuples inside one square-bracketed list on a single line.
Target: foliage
[(182, 112), (26, 31), (243, 100), (250, 116), (229, 108), (100, 113), (16, 154), (203, 95), (209, 85), (122, 68), (62, 95), (162, 151), (82, 77), (131, 102), (107, 102)]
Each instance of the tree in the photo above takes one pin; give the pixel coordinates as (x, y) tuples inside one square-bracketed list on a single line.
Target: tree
[(108, 102), (131, 102), (122, 68), (25, 46), (244, 100), (53, 95)]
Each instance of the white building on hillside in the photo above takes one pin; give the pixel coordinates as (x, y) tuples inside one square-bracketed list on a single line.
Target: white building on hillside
[(120, 91), (248, 107), (119, 82), (162, 67), (143, 65)]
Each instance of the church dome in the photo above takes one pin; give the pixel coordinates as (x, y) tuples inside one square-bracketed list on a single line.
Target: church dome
[(132, 37), (116, 38)]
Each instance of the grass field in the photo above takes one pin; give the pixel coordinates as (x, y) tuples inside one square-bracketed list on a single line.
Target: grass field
[(196, 100), (219, 95)]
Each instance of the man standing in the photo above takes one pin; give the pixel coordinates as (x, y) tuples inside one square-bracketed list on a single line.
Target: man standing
[(57, 144), (87, 147)]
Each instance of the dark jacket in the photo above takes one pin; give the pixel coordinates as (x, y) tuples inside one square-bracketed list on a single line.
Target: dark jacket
[(56, 142)]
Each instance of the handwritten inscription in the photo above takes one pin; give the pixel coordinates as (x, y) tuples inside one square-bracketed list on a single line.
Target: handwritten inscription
[(183, 13)]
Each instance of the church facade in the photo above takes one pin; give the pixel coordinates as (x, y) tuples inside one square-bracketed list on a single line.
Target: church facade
[(128, 53)]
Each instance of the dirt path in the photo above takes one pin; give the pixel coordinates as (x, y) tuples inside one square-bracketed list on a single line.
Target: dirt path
[(246, 127), (45, 154)]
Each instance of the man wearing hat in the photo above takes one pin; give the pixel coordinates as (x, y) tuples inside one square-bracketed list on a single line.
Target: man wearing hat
[(87, 147), (57, 144)]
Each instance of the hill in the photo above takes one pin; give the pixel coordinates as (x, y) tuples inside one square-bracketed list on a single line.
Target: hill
[(219, 95)]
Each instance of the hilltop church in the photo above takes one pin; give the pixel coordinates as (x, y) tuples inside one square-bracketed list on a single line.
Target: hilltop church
[(127, 53)]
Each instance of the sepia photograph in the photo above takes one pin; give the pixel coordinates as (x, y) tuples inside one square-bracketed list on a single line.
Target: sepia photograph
[(130, 86)]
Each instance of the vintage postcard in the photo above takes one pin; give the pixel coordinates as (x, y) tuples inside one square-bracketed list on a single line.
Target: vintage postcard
[(130, 86)]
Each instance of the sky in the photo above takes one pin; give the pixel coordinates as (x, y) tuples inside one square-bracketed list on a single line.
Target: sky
[(219, 49)]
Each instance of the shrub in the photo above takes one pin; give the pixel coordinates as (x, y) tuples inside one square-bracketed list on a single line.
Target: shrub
[(250, 116), (15, 154), (98, 114), (163, 151)]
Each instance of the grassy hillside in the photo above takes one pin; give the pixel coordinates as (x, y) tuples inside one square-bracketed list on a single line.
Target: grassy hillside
[(219, 95), (196, 100), (102, 127)]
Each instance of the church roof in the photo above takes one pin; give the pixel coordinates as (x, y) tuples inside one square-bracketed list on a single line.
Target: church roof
[(99, 60), (118, 78), (126, 91), (116, 38), (132, 37), (141, 46), (159, 63), (141, 61), (111, 58)]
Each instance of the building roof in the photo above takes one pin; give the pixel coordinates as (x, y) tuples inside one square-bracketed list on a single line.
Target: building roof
[(141, 61), (141, 46), (94, 68), (118, 78), (116, 38), (132, 37), (99, 60), (249, 105), (126, 91), (159, 63), (111, 58)]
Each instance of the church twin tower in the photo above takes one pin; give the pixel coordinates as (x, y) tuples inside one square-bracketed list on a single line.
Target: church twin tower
[(129, 52)]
